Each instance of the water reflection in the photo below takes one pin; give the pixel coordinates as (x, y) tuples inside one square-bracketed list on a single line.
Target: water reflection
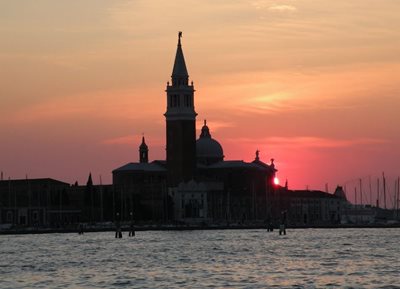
[(310, 258)]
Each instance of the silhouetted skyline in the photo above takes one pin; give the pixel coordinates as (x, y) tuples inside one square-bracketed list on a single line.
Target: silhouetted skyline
[(313, 84)]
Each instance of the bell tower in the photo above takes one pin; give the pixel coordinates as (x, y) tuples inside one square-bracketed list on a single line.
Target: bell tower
[(143, 152), (181, 122)]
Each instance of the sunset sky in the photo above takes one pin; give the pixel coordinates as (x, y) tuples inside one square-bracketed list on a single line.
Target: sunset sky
[(313, 84)]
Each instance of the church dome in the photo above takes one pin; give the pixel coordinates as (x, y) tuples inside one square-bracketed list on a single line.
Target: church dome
[(208, 150)]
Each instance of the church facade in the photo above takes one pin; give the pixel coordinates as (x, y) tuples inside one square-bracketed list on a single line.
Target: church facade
[(195, 183)]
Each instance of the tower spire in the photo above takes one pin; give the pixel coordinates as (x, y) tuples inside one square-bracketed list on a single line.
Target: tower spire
[(179, 72)]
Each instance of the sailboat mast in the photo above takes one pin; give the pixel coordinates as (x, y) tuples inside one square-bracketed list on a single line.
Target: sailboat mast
[(384, 190), (394, 197), (377, 194), (398, 193), (397, 196), (355, 195), (355, 205), (370, 191), (101, 201)]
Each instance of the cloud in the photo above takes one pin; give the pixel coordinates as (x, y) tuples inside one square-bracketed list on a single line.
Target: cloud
[(51, 110), (214, 125), (312, 142), (122, 140), (317, 142), (134, 140), (107, 104), (282, 8)]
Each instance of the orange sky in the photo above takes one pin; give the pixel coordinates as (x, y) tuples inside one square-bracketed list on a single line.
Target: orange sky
[(313, 84)]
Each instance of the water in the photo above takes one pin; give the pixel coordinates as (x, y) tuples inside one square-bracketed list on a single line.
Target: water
[(309, 258)]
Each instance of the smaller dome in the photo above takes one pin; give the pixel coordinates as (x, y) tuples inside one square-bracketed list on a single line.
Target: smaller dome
[(208, 150)]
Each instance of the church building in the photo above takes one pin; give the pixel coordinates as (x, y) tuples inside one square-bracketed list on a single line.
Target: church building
[(195, 183)]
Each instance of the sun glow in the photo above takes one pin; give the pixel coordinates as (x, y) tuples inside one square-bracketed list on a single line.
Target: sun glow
[(276, 181)]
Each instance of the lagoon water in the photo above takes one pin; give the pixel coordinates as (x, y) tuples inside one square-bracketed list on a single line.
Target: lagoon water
[(304, 258)]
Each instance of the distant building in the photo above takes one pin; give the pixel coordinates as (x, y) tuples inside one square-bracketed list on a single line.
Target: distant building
[(359, 214), (308, 208), (141, 188), (36, 202), (96, 202), (52, 203)]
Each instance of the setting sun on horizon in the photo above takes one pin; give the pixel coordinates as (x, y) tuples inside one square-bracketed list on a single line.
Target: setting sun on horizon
[(313, 85)]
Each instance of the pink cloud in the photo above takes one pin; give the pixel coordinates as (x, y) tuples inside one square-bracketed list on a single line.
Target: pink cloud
[(122, 140), (310, 142), (134, 140)]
